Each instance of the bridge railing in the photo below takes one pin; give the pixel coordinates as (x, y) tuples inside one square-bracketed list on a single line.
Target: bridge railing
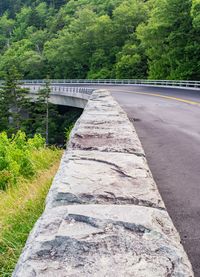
[(58, 89), (165, 83)]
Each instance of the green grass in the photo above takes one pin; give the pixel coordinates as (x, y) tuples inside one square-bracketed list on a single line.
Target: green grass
[(22, 205)]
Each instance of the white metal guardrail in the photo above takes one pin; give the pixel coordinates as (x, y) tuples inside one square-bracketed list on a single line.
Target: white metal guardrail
[(65, 95), (164, 83), (35, 87)]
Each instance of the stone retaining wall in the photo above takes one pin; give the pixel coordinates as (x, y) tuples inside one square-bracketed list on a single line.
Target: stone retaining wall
[(104, 215)]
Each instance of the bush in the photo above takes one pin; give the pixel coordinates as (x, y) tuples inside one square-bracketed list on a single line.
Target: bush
[(36, 142), (16, 157)]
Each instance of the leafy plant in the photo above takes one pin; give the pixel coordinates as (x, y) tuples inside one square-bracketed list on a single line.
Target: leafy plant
[(16, 159)]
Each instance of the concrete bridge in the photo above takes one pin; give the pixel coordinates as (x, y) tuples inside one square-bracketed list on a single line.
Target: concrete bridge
[(76, 93), (63, 95), (104, 215)]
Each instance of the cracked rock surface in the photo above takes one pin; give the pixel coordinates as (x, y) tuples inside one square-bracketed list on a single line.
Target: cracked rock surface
[(104, 215)]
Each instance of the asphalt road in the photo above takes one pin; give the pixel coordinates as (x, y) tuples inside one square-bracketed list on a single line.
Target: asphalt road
[(169, 130), (168, 124), (170, 133)]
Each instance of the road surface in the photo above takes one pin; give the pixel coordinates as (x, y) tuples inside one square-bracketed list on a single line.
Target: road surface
[(168, 124), (169, 130)]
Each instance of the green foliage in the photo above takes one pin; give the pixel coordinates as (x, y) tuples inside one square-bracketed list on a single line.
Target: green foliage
[(21, 206), (16, 157), (36, 142), (195, 13), (131, 62), (50, 120), (39, 117), (72, 39), (171, 43), (68, 132), (42, 105), (13, 102), (101, 39), (6, 28)]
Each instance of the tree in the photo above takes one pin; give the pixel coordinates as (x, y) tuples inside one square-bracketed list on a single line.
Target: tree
[(22, 55), (195, 13), (101, 39), (6, 28), (42, 107), (14, 102), (45, 115), (169, 40), (131, 62), (4, 110)]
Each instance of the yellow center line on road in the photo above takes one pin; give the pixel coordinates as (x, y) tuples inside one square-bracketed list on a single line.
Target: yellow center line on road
[(167, 97)]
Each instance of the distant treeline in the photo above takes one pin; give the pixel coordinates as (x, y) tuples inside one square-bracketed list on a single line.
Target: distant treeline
[(157, 39)]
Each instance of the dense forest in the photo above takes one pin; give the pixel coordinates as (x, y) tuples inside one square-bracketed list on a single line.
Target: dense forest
[(157, 39)]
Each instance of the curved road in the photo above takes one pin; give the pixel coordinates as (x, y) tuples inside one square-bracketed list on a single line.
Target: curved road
[(168, 124), (169, 130)]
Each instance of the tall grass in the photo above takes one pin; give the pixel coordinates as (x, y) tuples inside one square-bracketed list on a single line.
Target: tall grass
[(22, 198)]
